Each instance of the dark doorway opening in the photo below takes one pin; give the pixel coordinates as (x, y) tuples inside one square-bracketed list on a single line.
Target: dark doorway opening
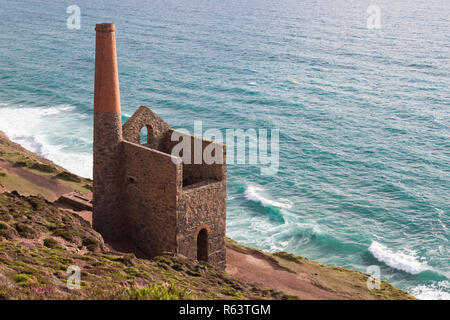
[(202, 245)]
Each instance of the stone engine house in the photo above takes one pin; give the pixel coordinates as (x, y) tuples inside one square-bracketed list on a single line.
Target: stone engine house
[(143, 195)]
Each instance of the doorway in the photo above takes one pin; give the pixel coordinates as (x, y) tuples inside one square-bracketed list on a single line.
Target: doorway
[(202, 245)]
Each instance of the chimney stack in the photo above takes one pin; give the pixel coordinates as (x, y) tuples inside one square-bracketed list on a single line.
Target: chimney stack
[(106, 94), (107, 204)]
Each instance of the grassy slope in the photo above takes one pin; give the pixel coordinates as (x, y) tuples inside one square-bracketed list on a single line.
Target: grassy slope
[(19, 157), (39, 241)]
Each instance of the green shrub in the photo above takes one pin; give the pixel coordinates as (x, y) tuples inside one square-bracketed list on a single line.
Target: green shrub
[(159, 291), (65, 234), (36, 166), (22, 163), (51, 243), (21, 278), (68, 176), (42, 167), (26, 231), (132, 271), (91, 244)]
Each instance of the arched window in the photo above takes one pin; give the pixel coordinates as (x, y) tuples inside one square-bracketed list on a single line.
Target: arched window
[(146, 135), (202, 245)]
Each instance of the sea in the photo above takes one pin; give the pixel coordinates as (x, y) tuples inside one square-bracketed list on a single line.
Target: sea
[(359, 91)]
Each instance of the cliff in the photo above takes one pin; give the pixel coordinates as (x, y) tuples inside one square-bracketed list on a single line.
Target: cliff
[(40, 239)]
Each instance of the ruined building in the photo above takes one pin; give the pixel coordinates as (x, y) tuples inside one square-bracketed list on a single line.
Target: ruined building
[(143, 195)]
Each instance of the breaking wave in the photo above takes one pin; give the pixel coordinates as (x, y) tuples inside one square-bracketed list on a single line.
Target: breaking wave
[(271, 207), (436, 291), (251, 193), (398, 260), (33, 128)]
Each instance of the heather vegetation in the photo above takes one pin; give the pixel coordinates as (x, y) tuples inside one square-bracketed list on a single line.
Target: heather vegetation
[(38, 242)]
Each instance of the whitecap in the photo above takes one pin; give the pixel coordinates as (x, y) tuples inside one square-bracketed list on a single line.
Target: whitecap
[(436, 291), (397, 260), (32, 127), (251, 193)]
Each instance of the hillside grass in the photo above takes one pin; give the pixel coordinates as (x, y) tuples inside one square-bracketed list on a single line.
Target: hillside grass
[(14, 182), (38, 242), (20, 157)]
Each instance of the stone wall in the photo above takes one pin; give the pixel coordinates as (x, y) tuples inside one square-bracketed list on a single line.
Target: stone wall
[(152, 181), (157, 128), (192, 172), (108, 172), (198, 208)]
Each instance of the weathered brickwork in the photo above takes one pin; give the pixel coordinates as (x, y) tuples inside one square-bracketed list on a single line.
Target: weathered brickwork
[(144, 195), (157, 129), (197, 172), (151, 184), (108, 196), (203, 207)]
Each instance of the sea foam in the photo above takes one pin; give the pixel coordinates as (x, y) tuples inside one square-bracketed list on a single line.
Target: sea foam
[(253, 193), (436, 291), (33, 128), (397, 260)]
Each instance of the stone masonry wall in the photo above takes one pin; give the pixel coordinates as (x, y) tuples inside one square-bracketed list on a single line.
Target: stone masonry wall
[(165, 213), (151, 183), (200, 207), (193, 173), (108, 171), (157, 132)]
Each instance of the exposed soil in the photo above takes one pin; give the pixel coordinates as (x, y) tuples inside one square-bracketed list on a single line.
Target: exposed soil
[(264, 274), (48, 182)]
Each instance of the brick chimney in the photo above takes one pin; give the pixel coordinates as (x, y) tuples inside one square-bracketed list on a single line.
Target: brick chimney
[(107, 196)]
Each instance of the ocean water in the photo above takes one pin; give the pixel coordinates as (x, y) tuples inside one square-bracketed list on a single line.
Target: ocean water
[(363, 114)]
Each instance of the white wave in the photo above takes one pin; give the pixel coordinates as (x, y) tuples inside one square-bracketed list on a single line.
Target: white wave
[(397, 260), (436, 291), (78, 163), (251, 193), (268, 236), (311, 228), (32, 128)]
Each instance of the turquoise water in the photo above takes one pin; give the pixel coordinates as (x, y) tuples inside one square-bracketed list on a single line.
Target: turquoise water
[(363, 114)]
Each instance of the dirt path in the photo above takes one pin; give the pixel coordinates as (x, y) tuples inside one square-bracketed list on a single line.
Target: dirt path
[(266, 275), (46, 182)]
